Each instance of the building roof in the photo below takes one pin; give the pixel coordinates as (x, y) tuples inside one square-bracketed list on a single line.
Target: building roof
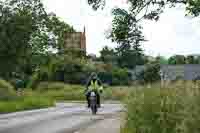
[(172, 72)]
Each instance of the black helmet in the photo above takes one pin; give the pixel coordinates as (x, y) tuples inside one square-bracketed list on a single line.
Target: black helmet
[(94, 75)]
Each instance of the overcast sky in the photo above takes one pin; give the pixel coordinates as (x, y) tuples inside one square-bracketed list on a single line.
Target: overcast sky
[(172, 34)]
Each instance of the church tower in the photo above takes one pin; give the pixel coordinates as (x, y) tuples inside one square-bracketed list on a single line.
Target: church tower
[(83, 40), (75, 41)]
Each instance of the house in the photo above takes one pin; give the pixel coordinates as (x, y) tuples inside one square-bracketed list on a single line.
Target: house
[(172, 72)]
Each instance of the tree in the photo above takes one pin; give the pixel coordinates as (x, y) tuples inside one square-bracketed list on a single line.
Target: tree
[(58, 30), (157, 7), (198, 59), (18, 21), (127, 33), (177, 59), (125, 25), (26, 30), (96, 4), (191, 60), (120, 76), (162, 60), (150, 74), (108, 55)]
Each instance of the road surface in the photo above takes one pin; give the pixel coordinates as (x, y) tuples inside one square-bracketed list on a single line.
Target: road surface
[(109, 125), (64, 118)]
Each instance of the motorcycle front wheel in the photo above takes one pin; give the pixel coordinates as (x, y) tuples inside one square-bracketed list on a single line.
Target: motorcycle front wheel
[(94, 109)]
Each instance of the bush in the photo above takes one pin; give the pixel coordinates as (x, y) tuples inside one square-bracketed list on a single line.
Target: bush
[(170, 110), (7, 91), (120, 77), (34, 80), (76, 71), (106, 77), (150, 74), (115, 76)]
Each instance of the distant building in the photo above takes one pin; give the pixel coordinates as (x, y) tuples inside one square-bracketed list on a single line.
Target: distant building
[(173, 72), (92, 57), (185, 72), (76, 41)]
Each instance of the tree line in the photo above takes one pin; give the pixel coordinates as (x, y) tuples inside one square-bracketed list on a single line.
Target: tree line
[(179, 59), (29, 33)]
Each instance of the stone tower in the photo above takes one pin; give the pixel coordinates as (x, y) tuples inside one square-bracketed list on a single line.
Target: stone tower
[(83, 40), (76, 41)]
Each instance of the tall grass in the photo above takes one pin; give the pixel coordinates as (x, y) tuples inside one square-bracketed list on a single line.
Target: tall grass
[(173, 109), (115, 93)]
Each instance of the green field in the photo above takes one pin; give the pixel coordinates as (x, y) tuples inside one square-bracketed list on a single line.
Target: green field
[(172, 109), (47, 94)]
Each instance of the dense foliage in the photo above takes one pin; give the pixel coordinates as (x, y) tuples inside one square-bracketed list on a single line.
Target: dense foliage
[(27, 31), (150, 74), (127, 30), (65, 68)]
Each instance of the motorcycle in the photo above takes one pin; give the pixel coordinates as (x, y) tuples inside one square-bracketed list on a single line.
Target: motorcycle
[(93, 102)]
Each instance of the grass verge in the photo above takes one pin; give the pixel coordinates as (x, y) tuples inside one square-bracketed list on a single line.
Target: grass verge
[(46, 94), (25, 103), (174, 109)]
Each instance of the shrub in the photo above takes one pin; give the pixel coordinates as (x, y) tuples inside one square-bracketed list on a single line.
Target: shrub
[(106, 77), (115, 76), (150, 74), (34, 80), (120, 77)]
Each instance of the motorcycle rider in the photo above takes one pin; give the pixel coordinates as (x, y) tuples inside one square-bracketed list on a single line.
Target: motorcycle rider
[(94, 84)]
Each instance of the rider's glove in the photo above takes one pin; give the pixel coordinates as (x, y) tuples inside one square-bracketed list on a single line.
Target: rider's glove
[(101, 89)]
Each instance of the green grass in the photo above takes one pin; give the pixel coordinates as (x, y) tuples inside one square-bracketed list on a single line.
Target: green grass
[(61, 92), (11, 102), (46, 94), (7, 91), (173, 109), (65, 92), (25, 103)]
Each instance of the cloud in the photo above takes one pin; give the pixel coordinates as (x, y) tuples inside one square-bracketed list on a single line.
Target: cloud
[(172, 34), (79, 14)]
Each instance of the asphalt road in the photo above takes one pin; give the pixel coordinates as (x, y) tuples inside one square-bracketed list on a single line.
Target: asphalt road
[(64, 118)]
